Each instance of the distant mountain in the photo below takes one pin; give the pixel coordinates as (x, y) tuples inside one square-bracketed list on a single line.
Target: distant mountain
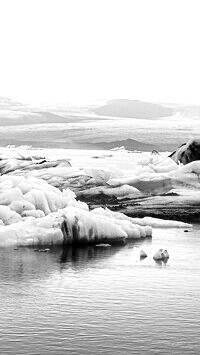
[(67, 126), (128, 144), (133, 109), (6, 103), (22, 116), (14, 113)]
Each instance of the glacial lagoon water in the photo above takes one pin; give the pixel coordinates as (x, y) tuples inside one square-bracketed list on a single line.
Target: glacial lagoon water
[(102, 300)]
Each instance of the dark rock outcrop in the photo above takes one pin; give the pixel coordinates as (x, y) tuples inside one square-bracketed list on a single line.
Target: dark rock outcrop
[(187, 152)]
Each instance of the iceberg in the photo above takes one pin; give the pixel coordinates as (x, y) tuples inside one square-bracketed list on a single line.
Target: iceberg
[(12, 163), (161, 255), (143, 255), (120, 192), (67, 226), (32, 213), (155, 186), (187, 152), (146, 221)]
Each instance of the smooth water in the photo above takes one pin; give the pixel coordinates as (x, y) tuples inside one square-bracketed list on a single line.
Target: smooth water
[(102, 301)]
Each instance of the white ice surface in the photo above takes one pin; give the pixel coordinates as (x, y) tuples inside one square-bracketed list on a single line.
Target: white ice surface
[(32, 211)]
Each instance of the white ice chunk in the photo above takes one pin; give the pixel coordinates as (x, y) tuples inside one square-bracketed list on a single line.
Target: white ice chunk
[(146, 221)]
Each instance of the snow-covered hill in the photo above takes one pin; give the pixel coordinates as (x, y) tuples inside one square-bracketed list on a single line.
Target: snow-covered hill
[(6, 103)]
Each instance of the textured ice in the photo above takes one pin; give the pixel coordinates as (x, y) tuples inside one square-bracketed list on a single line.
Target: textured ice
[(161, 254), (40, 214), (146, 221), (161, 182), (156, 174), (34, 211), (123, 191), (67, 226)]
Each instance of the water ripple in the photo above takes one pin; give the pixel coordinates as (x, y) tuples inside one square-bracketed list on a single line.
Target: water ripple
[(95, 301)]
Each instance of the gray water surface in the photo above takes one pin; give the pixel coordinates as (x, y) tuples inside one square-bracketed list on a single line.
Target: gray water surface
[(102, 301)]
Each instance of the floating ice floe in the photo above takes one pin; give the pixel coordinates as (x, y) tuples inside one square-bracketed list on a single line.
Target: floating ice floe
[(157, 163), (70, 225), (32, 212), (153, 176), (146, 221), (120, 192), (133, 231), (119, 149), (22, 197), (161, 254), (60, 173), (11, 164), (143, 255), (156, 184), (67, 226)]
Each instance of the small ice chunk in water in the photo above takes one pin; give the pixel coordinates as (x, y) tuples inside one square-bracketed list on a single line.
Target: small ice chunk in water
[(103, 245), (161, 254), (142, 254)]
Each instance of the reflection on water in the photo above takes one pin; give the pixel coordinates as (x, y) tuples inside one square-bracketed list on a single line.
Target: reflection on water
[(102, 300), (26, 264), (82, 256)]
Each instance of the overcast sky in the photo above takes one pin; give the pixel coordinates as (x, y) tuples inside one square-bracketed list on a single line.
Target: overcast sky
[(80, 50)]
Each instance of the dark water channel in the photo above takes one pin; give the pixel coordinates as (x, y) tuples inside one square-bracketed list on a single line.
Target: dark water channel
[(102, 301)]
